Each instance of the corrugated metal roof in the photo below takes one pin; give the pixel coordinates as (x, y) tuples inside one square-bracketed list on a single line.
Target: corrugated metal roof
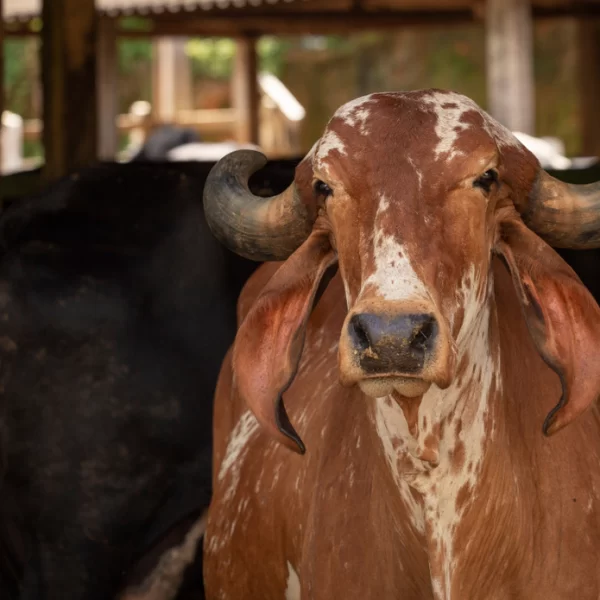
[(16, 10)]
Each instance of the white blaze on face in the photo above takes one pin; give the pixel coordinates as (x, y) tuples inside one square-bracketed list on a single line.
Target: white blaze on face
[(394, 277), (292, 590)]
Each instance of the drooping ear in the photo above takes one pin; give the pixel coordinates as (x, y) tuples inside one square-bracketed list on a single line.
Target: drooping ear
[(269, 342), (562, 316)]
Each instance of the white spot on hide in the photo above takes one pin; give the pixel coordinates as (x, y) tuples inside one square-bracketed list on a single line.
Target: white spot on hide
[(330, 142), (418, 172), (449, 125), (355, 113), (292, 590), (236, 449), (448, 120)]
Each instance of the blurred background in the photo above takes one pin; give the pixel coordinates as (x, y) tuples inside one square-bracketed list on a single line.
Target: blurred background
[(102, 75)]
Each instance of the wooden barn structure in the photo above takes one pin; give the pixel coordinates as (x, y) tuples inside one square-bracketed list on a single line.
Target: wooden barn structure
[(79, 54)]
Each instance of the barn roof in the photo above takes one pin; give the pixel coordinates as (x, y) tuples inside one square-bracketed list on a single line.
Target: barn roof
[(20, 10), (233, 17)]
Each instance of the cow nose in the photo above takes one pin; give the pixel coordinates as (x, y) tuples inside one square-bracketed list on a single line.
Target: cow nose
[(385, 344)]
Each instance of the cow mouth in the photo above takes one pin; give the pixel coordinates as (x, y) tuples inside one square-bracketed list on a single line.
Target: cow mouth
[(407, 387)]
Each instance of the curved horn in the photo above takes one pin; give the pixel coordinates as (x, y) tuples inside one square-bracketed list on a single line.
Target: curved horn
[(261, 229), (565, 215)]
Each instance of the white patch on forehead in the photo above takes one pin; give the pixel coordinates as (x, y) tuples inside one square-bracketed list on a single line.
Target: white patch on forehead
[(394, 277), (236, 451), (355, 113), (329, 143), (449, 125), (292, 589)]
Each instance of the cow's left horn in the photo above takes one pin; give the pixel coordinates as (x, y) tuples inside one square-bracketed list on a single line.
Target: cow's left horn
[(565, 215), (261, 229)]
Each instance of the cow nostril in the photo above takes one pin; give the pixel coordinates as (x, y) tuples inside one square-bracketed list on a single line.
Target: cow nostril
[(422, 334), (359, 333)]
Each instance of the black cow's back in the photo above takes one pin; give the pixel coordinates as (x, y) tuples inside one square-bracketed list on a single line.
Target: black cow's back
[(116, 308)]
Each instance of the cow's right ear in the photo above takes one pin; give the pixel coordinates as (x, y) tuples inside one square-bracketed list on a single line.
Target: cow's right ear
[(562, 317), (269, 342)]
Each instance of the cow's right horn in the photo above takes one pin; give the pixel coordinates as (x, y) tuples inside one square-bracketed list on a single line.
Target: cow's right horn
[(566, 215), (261, 229)]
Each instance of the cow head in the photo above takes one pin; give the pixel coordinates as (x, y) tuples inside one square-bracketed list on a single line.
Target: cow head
[(410, 194)]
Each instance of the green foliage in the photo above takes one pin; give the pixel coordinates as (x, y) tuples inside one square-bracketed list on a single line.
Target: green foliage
[(271, 54), (18, 54), (132, 52), (213, 57), (14, 66), (135, 24)]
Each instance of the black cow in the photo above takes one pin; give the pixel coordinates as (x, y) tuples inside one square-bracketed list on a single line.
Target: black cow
[(117, 306)]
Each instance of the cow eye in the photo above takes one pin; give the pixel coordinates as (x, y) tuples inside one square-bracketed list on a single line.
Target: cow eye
[(322, 189), (486, 180)]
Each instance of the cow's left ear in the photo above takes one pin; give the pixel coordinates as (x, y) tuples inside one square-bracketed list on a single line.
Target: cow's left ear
[(269, 342), (562, 316)]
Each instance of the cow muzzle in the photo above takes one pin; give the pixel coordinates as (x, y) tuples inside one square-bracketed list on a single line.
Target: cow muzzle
[(395, 347)]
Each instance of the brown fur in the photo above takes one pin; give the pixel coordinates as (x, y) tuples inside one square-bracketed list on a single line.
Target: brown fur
[(529, 517)]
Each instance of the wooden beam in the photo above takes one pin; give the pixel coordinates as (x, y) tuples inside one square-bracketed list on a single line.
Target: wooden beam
[(272, 22), (234, 23), (509, 64), (588, 64), (244, 89), (69, 85), (108, 108)]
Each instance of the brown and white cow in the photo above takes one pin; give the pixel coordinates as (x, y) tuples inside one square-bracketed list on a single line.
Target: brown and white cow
[(450, 341)]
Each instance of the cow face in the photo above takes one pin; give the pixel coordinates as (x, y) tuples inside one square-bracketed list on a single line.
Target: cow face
[(410, 186), (410, 194)]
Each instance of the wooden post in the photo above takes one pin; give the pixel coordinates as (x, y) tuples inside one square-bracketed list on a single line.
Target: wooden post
[(588, 63), (509, 55), (244, 89), (183, 75), (108, 109), (171, 79), (69, 85)]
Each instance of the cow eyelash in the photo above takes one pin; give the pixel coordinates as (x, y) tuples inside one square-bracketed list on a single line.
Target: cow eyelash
[(486, 180), (322, 189)]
